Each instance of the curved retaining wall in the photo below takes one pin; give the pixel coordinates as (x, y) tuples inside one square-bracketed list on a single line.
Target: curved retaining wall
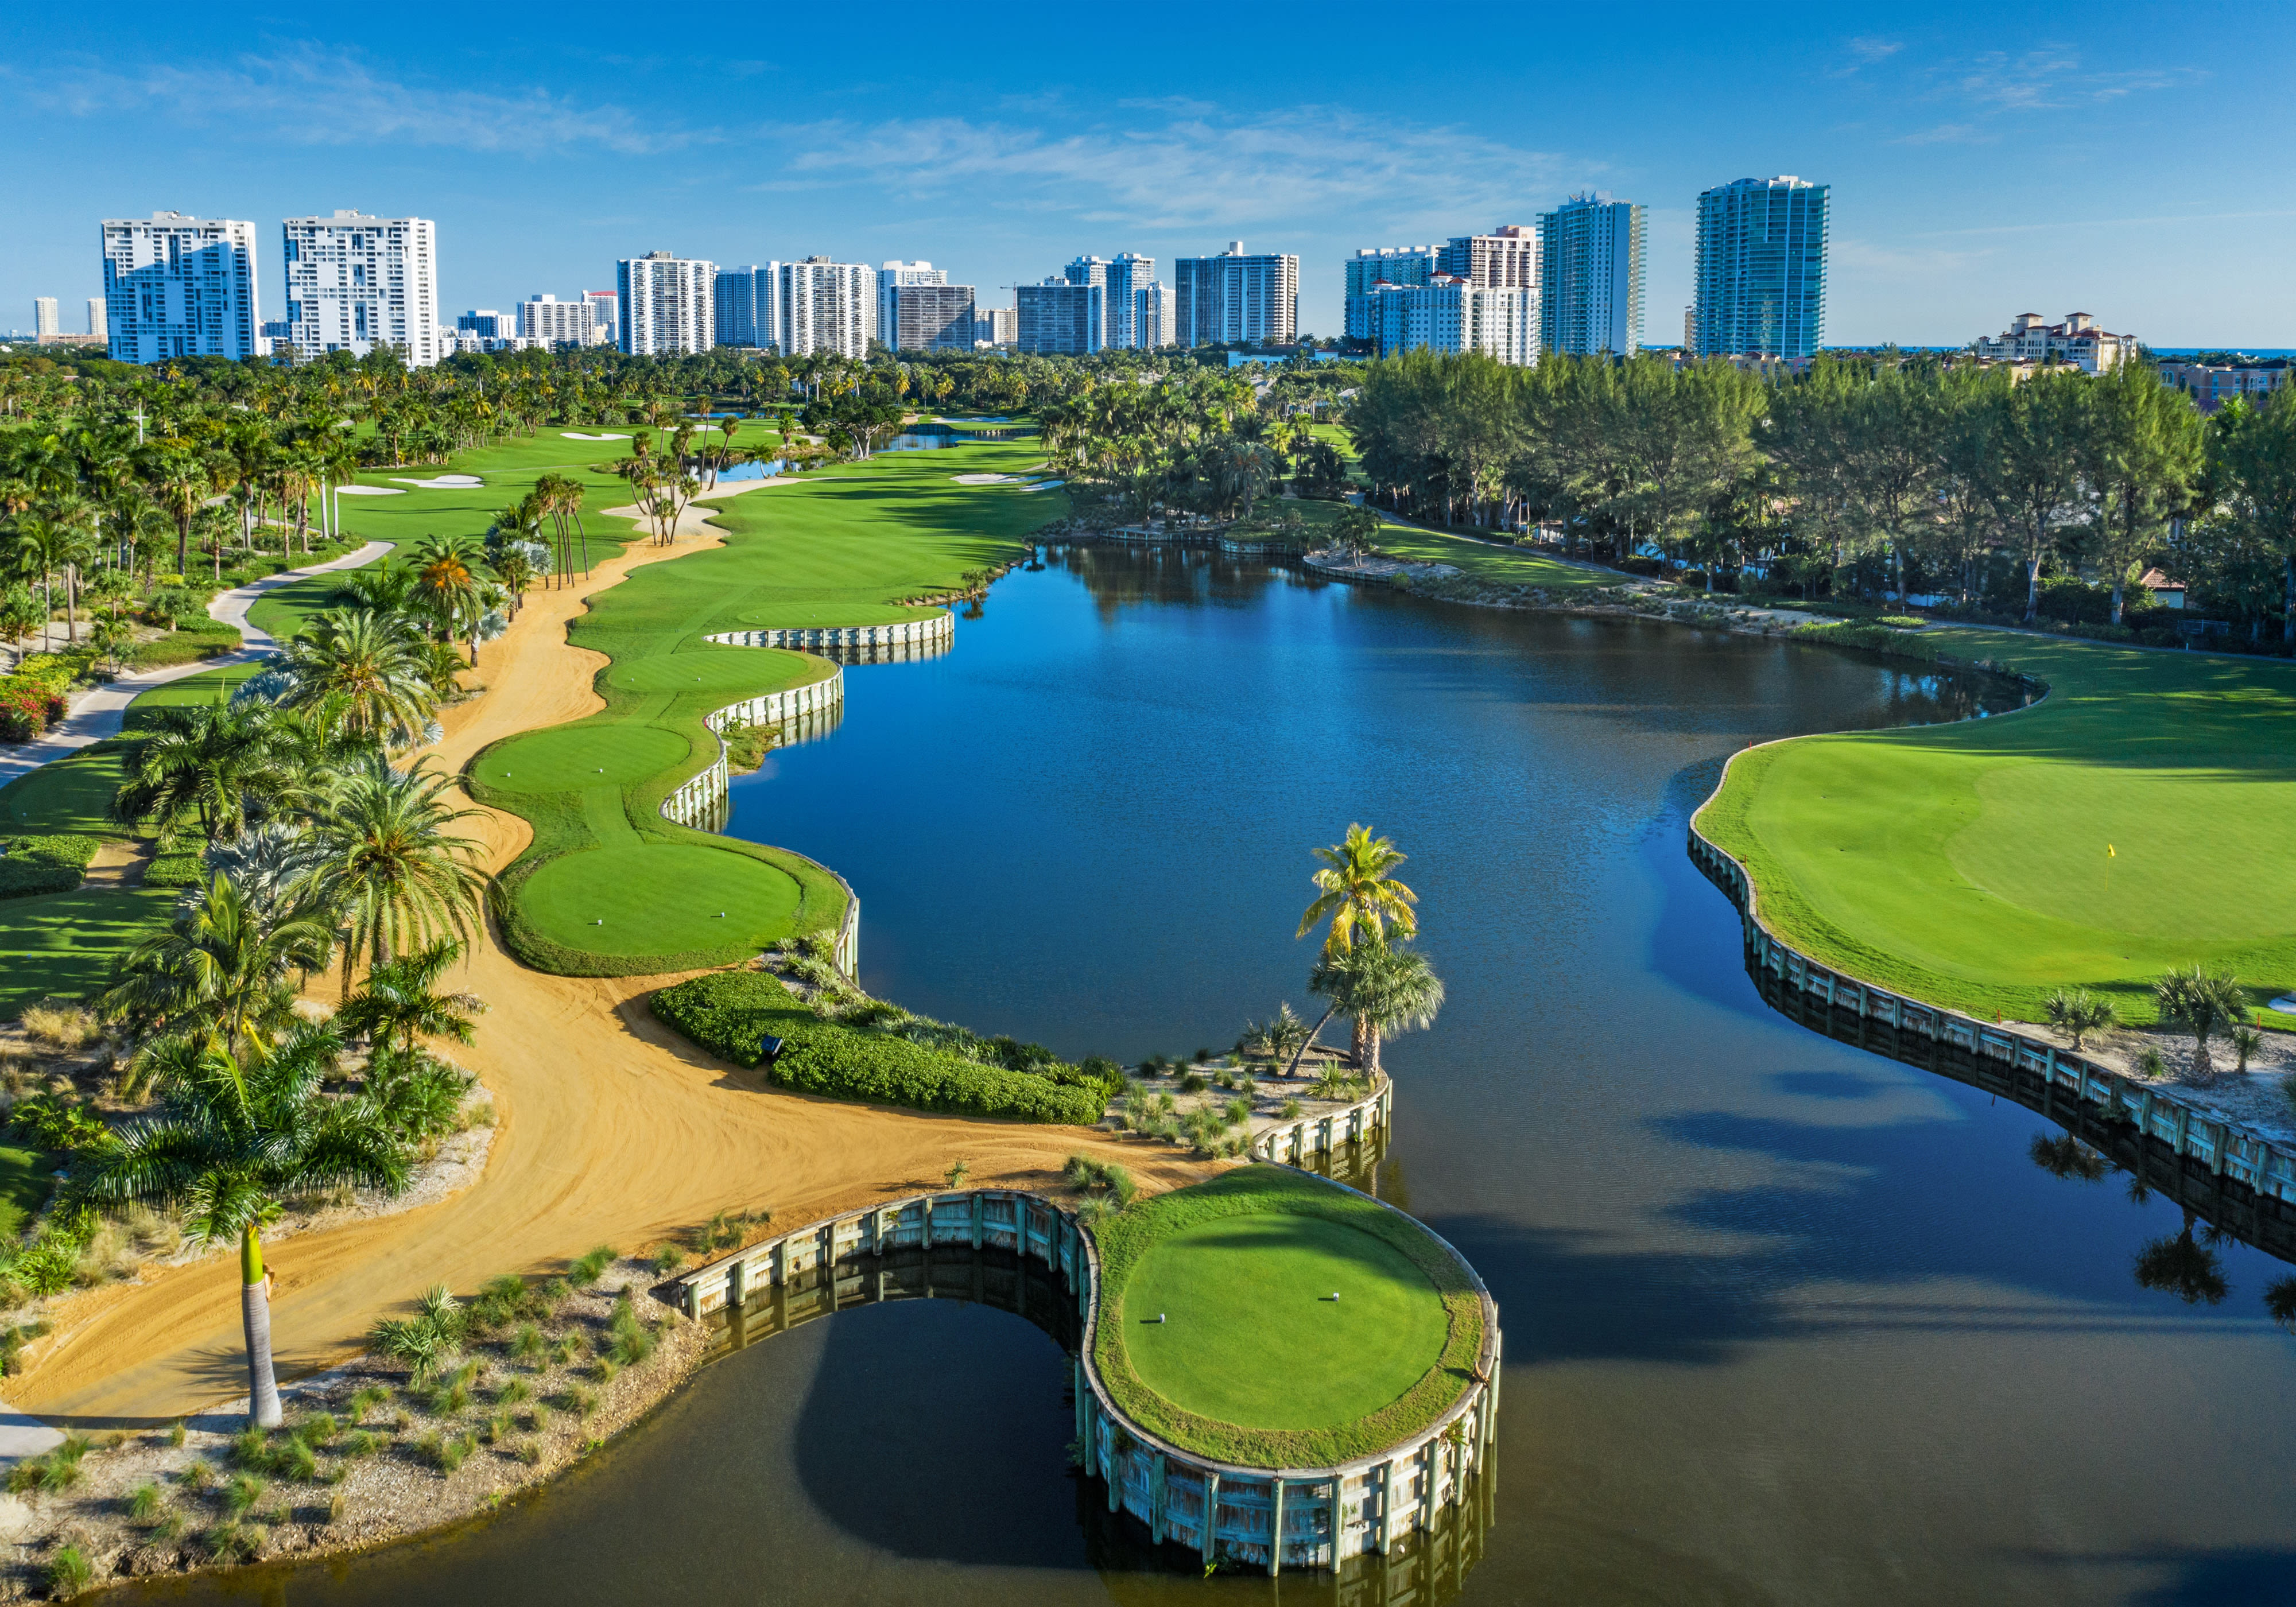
[(2229, 1150), (1303, 1517), (1293, 1141), (856, 643)]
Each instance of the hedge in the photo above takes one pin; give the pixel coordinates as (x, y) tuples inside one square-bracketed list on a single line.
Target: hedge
[(728, 1013), (175, 870), (43, 865)]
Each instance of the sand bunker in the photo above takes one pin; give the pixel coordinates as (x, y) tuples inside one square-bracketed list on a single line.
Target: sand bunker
[(983, 479), (576, 435), (1046, 485), (370, 491), (445, 482)]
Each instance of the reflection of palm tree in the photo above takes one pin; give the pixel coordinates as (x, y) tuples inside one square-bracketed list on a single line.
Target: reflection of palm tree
[(2178, 1265)]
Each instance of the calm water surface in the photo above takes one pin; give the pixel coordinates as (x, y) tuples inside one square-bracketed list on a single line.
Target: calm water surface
[(1786, 1323)]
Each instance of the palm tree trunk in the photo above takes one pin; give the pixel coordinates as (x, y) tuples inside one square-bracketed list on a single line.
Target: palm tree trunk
[(1293, 1069), (254, 1312)]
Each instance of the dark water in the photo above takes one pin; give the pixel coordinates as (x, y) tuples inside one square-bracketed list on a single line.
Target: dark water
[(1786, 1322)]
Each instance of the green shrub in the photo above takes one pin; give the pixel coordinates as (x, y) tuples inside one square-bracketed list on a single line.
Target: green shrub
[(55, 1123), (175, 869), (30, 866), (728, 1013), (68, 1572)]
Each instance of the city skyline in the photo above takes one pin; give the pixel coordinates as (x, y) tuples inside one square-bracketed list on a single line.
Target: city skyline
[(2032, 158)]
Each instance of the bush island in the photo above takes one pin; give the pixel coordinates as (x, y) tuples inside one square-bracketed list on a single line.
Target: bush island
[(43, 865), (729, 1013)]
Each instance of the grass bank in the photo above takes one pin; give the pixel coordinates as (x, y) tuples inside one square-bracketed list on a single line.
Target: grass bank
[(608, 887), (1491, 563), (1252, 1365), (2135, 820)]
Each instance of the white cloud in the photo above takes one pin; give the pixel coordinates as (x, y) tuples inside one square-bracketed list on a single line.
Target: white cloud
[(1193, 168), (1864, 51), (2052, 79), (313, 97)]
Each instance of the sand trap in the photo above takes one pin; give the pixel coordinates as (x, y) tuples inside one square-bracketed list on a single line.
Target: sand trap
[(983, 479), (576, 435), (1046, 485), (370, 491), (445, 482)]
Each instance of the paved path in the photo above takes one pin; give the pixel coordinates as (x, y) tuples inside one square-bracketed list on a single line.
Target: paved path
[(98, 714)]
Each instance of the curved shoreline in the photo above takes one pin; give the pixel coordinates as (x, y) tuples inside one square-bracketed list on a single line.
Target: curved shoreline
[(1323, 1515)]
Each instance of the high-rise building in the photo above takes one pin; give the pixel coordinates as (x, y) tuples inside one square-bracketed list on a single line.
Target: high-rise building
[(1253, 299), (1374, 266), (1454, 315), (1761, 268), (1151, 324), (44, 326), (556, 323), (486, 324), (180, 287), (606, 308), (889, 278), (1132, 286), (927, 317), (1087, 270), (1059, 317), (996, 325), (1506, 258), (748, 305), (668, 304), (355, 282), (1590, 250), (825, 308), (98, 324)]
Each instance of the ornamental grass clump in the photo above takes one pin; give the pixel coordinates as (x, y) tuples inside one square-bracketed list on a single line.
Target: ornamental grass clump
[(68, 1572)]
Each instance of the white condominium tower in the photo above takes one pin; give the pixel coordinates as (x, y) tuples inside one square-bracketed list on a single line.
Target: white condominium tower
[(179, 287), (1503, 259), (1235, 298), (1591, 250), (355, 282), (1452, 313), (890, 277), (560, 322), (1374, 266), (826, 306), (668, 304)]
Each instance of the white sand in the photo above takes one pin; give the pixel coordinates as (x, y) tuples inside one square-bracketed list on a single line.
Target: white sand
[(983, 479), (576, 435), (370, 491), (445, 482)]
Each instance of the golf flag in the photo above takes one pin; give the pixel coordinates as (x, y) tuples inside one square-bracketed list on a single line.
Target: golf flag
[(2109, 854)]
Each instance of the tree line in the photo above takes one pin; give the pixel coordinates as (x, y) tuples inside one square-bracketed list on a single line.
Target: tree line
[(1887, 476)]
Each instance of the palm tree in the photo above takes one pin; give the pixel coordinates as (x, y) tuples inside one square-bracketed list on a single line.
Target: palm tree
[(1358, 888), (393, 870), (219, 971), (398, 1002), (446, 582), (2202, 1000), (2079, 1012), (366, 664), (240, 1134), (1384, 987), (207, 763)]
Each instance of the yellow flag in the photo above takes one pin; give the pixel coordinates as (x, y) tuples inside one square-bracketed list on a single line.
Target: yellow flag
[(2109, 854)]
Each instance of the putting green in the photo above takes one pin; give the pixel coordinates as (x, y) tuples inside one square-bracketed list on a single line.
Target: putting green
[(1251, 1334), (1255, 1364), (2135, 820), (639, 899), (569, 758)]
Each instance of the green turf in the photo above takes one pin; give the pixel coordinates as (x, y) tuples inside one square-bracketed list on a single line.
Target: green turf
[(27, 1178), (856, 545), (508, 471), (2138, 818), (1491, 562), (1251, 1336), (1253, 1368)]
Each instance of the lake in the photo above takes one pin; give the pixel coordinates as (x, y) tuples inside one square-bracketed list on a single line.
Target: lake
[(1785, 1322)]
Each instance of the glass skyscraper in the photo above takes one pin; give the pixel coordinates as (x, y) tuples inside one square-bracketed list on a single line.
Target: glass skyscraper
[(1761, 268)]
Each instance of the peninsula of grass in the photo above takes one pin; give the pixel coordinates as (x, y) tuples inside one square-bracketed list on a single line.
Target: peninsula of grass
[(63, 945), (2138, 818), (1491, 562), (1217, 1333), (608, 887)]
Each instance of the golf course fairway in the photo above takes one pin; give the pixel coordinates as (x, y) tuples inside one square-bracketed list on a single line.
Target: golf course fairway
[(608, 887), (1218, 1332), (2137, 819)]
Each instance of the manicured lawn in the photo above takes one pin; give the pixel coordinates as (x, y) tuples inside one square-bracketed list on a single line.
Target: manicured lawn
[(27, 1178), (2138, 819), (852, 546), (507, 472), (1254, 1366), (1489, 561), (1253, 1336)]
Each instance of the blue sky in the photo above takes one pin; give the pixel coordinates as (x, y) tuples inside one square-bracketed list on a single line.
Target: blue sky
[(2131, 162)]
